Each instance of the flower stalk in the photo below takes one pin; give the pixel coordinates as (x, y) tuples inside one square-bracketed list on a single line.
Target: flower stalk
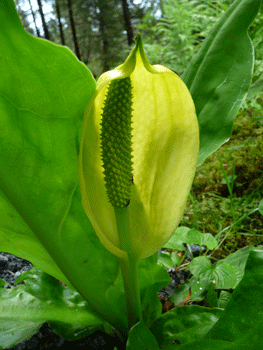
[(129, 268)]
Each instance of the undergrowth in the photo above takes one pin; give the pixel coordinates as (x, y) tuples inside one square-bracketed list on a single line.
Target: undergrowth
[(228, 186)]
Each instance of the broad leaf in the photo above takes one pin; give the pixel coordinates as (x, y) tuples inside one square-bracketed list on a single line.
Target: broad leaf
[(25, 307), (222, 274), (239, 260), (168, 259), (183, 324), (140, 337), (192, 236), (219, 75), (224, 299), (181, 292), (43, 93)]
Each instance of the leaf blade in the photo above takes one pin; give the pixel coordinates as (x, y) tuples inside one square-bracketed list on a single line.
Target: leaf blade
[(225, 64), (42, 100)]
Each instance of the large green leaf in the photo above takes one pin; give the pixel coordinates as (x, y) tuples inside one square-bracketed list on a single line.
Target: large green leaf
[(219, 75), (43, 93), (140, 337), (183, 324), (43, 299)]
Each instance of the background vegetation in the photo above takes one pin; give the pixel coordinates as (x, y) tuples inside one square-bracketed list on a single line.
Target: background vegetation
[(229, 185)]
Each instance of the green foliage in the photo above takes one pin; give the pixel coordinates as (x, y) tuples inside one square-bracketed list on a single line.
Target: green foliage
[(43, 299), (232, 328), (174, 38), (226, 46), (190, 236), (254, 98), (178, 34), (140, 337), (206, 278), (182, 29)]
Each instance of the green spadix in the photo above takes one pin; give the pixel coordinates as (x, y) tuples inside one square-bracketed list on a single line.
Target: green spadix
[(139, 149)]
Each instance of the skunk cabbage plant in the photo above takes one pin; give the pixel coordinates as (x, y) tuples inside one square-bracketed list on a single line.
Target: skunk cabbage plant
[(135, 162), (139, 150)]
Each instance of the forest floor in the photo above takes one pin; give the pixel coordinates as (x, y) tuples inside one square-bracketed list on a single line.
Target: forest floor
[(222, 209)]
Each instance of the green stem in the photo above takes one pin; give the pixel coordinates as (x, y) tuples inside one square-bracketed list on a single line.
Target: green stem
[(129, 268)]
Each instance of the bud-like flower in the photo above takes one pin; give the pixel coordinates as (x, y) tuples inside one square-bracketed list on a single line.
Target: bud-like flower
[(139, 150)]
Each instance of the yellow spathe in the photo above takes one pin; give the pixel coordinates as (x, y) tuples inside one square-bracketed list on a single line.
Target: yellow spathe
[(165, 143)]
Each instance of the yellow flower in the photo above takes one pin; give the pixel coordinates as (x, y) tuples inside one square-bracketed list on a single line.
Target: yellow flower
[(164, 145)]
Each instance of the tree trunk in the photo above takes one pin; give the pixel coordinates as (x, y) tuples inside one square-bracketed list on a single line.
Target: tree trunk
[(72, 23), (47, 36), (34, 18), (59, 23), (105, 45), (103, 32), (127, 21), (161, 8)]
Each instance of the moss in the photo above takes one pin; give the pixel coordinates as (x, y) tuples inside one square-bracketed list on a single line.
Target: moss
[(212, 208)]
